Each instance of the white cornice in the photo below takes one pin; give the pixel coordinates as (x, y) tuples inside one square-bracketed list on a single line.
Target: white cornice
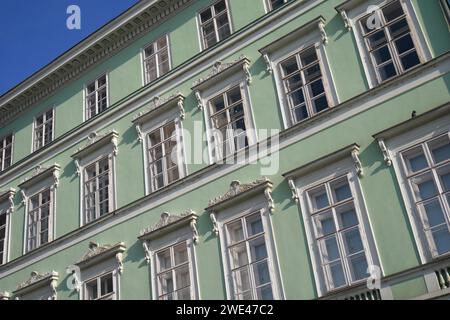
[(113, 36)]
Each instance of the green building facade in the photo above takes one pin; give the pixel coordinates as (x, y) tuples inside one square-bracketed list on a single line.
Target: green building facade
[(234, 150)]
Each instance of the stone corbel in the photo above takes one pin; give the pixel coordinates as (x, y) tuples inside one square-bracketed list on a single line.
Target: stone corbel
[(385, 151), (181, 110), (323, 33), (248, 75), (119, 258), (24, 196), (347, 21), (140, 134), (115, 142), (193, 226), (53, 286), (77, 167), (293, 189), (55, 178), (357, 162), (198, 97), (269, 198), (215, 230), (147, 252), (269, 68)]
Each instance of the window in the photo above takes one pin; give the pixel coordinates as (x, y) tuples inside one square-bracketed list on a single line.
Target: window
[(96, 96), (214, 24), (39, 219), (275, 4), (3, 239), (303, 85), (427, 170), (228, 121), (389, 41), (97, 189), (163, 153), (173, 273), (446, 7), (6, 144), (43, 129), (101, 288), (249, 261), (156, 59), (337, 232)]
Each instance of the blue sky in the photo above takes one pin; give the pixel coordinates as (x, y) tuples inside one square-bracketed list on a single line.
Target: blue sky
[(34, 32)]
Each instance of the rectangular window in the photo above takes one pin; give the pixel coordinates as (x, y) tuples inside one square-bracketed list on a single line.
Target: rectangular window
[(275, 4), (156, 59), (337, 232), (173, 273), (248, 258), (389, 41), (214, 24), (303, 85), (3, 240), (101, 288), (39, 216), (6, 152), (163, 156), (427, 168), (446, 7), (228, 122), (43, 129), (96, 97), (97, 189)]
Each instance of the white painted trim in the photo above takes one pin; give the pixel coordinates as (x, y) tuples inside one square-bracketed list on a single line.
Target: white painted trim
[(142, 57), (33, 136)]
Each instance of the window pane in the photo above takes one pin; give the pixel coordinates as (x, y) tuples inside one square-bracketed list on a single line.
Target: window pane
[(265, 293), (330, 250), (181, 254), (223, 27), (404, 44), (219, 7), (415, 160), (166, 284), (164, 261), (393, 11), (258, 249), (352, 241), (241, 282), (382, 55), (261, 273), (235, 232), (107, 285), (347, 216), (377, 39), (440, 149), (432, 212), (424, 186), (183, 277), (254, 225), (308, 56), (300, 113), (289, 66), (319, 198), (441, 238), (410, 60), (337, 274), (324, 224), (398, 28), (206, 15), (358, 265), (341, 190), (387, 71), (238, 256), (92, 291), (444, 176)]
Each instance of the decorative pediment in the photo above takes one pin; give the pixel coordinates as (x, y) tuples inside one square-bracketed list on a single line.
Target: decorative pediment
[(39, 174), (37, 281), (221, 70), (159, 106), (166, 224), (239, 190), (351, 151), (8, 196), (98, 253), (95, 141)]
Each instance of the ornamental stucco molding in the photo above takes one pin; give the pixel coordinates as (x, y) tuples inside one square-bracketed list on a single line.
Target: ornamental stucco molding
[(40, 173), (97, 51), (238, 189), (166, 224), (98, 253), (384, 150), (38, 280), (8, 196)]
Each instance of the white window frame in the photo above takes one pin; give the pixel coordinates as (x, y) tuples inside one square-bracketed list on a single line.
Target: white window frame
[(145, 79), (183, 234), (243, 209), (43, 127), (446, 8), (300, 43), (268, 5), (110, 296), (2, 151), (420, 41), (7, 208), (218, 89), (200, 24), (396, 145), (99, 148), (28, 191), (318, 177), (86, 116)]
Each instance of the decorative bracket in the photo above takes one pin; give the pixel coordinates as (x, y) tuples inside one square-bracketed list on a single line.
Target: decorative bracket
[(293, 189), (24, 196), (53, 286), (180, 105), (194, 231), (8, 196), (119, 258), (357, 162), (148, 254), (269, 198), (215, 230), (323, 33), (385, 151), (269, 68), (248, 75), (140, 134), (77, 167), (347, 21), (198, 97)]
